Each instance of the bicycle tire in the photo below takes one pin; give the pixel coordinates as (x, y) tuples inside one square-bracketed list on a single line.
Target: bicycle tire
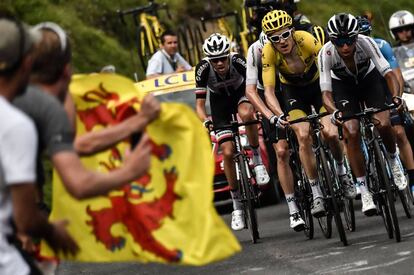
[(144, 49), (325, 222), (383, 173), (304, 196), (248, 199), (328, 172), (303, 191), (405, 201), (307, 215), (378, 194), (349, 214)]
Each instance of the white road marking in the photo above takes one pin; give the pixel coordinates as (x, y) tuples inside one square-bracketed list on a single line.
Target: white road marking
[(253, 269), (367, 247), (341, 268), (378, 266), (404, 253)]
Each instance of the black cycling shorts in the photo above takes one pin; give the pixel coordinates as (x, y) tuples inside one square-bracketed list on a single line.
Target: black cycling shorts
[(299, 99), (222, 109), (370, 90)]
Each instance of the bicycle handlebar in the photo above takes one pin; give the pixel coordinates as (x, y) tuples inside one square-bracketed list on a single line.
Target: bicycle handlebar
[(218, 16), (308, 118), (151, 7), (236, 124), (397, 101), (370, 111)]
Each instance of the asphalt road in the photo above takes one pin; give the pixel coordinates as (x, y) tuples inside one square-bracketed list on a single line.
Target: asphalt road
[(283, 251)]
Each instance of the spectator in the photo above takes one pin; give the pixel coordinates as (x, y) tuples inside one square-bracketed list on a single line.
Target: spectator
[(50, 78), (18, 156), (167, 59)]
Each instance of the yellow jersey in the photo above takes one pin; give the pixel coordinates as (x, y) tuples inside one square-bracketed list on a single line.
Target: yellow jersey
[(273, 61)]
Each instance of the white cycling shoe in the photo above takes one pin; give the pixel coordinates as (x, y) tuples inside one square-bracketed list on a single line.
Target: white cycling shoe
[(368, 206), (399, 177), (296, 222), (237, 220), (262, 177)]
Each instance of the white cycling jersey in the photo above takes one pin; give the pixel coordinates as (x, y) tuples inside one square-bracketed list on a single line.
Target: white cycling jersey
[(367, 56), (254, 66)]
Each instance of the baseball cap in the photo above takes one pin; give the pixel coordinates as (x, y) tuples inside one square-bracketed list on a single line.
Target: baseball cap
[(16, 40)]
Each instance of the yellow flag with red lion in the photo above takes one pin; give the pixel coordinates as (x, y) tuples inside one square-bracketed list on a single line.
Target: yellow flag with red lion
[(166, 216)]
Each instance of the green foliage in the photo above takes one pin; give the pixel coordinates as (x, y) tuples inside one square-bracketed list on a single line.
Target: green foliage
[(319, 11), (99, 38)]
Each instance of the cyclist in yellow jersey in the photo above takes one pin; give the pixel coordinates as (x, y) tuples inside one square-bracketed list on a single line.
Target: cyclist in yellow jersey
[(292, 54)]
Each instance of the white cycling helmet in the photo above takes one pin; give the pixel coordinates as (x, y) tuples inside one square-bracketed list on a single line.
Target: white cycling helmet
[(216, 45), (400, 19), (263, 39), (342, 25)]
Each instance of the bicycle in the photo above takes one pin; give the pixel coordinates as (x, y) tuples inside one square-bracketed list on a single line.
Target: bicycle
[(245, 177), (331, 188), (379, 177), (149, 28), (303, 192), (225, 29)]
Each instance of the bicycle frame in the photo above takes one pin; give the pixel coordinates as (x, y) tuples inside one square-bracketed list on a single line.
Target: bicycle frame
[(153, 30)]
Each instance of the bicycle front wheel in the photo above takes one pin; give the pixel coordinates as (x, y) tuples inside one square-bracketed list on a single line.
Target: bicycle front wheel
[(386, 183), (329, 177), (249, 197)]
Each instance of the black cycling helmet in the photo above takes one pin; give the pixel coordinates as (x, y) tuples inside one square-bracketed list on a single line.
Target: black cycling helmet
[(342, 25), (365, 27)]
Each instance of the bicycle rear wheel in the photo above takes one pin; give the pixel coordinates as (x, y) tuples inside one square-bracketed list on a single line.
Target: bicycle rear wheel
[(330, 178), (304, 197), (249, 198), (349, 214), (386, 183), (405, 200)]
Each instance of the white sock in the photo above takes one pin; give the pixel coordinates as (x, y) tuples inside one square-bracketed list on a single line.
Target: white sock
[(316, 188), (362, 182), (257, 159), (235, 196), (290, 199)]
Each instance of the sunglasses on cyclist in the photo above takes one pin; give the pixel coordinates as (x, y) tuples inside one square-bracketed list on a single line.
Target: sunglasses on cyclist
[(278, 37), (217, 60), (340, 42), (405, 28)]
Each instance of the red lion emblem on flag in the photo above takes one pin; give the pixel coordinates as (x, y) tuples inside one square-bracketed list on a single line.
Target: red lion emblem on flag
[(143, 218)]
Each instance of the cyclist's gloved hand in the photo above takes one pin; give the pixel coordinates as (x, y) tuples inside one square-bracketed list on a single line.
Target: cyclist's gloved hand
[(334, 117), (279, 121), (208, 124)]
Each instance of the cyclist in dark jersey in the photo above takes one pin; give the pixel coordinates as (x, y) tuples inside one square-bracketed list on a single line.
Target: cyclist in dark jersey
[(221, 75)]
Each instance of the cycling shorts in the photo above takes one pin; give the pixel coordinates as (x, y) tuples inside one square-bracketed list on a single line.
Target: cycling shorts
[(348, 95), (299, 99), (222, 108)]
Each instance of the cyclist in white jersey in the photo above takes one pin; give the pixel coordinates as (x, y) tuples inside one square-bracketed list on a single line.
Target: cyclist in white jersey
[(351, 68)]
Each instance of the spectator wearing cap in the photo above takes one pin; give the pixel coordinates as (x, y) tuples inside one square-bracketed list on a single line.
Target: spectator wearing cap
[(18, 211), (167, 59), (43, 102)]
